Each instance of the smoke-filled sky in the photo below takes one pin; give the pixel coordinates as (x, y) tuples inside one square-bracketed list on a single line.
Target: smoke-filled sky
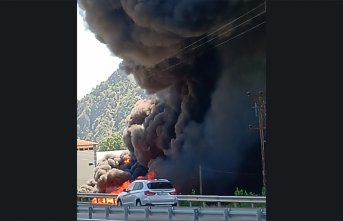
[(94, 61), (201, 114)]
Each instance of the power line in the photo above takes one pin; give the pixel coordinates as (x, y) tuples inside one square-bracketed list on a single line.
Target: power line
[(172, 66), (231, 29), (217, 36), (240, 34), (212, 33)]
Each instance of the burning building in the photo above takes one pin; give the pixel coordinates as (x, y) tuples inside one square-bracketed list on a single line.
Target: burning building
[(199, 58)]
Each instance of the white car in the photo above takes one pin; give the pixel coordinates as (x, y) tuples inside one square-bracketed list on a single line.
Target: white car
[(148, 192)]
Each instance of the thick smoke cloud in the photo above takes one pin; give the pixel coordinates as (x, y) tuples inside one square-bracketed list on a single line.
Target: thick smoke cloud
[(201, 114), (145, 32), (110, 172)]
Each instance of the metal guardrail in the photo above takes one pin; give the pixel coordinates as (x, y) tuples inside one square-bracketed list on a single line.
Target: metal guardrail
[(92, 195), (195, 198), (221, 199), (230, 199), (93, 212)]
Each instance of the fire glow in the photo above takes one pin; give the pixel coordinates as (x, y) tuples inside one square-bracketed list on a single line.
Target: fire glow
[(126, 160), (150, 176)]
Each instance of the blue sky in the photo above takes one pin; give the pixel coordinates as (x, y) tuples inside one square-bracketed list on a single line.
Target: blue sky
[(94, 60)]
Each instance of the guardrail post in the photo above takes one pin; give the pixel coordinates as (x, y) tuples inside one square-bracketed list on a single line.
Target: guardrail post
[(170, 214), (126, 212), (107, 210), (219, 204), (90, 212), (204, 204), (196, 214), (263, 211), (147, 213), (226, 214), (259, 215), (252, 205), (190, 203)]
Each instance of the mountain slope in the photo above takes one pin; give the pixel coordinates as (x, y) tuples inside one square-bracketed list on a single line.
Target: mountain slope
[(103, 111)]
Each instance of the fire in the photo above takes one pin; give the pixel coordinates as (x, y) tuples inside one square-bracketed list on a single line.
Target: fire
[(118, 190), (126, 160), (121, 188), (104, 201), (150, 176), (94, 200)]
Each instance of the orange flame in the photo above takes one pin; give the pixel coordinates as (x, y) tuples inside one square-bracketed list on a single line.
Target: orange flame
[(126, 160), (113, 201), (104, 201), (150, 176)]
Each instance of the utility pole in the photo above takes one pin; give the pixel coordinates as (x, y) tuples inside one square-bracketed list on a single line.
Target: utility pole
[(200, 162), (200, 178), (94, 151), (260, 108)]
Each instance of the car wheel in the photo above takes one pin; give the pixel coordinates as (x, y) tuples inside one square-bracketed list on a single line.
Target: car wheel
[(138, 203), (120, 203)]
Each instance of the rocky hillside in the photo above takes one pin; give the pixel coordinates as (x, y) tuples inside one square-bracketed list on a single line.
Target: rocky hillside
[(102, 112)]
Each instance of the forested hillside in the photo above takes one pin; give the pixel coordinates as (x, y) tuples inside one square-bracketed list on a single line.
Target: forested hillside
[(101, 114)]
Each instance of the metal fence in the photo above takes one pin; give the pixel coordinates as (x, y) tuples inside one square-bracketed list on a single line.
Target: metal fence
[(218, 200), (222, 199), (86, 211), (89, 212)]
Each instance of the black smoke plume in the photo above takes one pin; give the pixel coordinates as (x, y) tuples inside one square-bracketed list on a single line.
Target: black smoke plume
[(200, 78)]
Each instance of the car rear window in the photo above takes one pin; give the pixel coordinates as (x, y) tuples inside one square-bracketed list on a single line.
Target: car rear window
[(160, 185)]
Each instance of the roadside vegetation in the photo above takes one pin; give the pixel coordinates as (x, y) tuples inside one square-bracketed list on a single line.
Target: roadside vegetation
[(238, 192)]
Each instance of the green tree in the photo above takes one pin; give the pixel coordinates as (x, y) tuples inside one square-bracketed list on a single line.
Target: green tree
[(114, 142), (242, 192), (102, 112)]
